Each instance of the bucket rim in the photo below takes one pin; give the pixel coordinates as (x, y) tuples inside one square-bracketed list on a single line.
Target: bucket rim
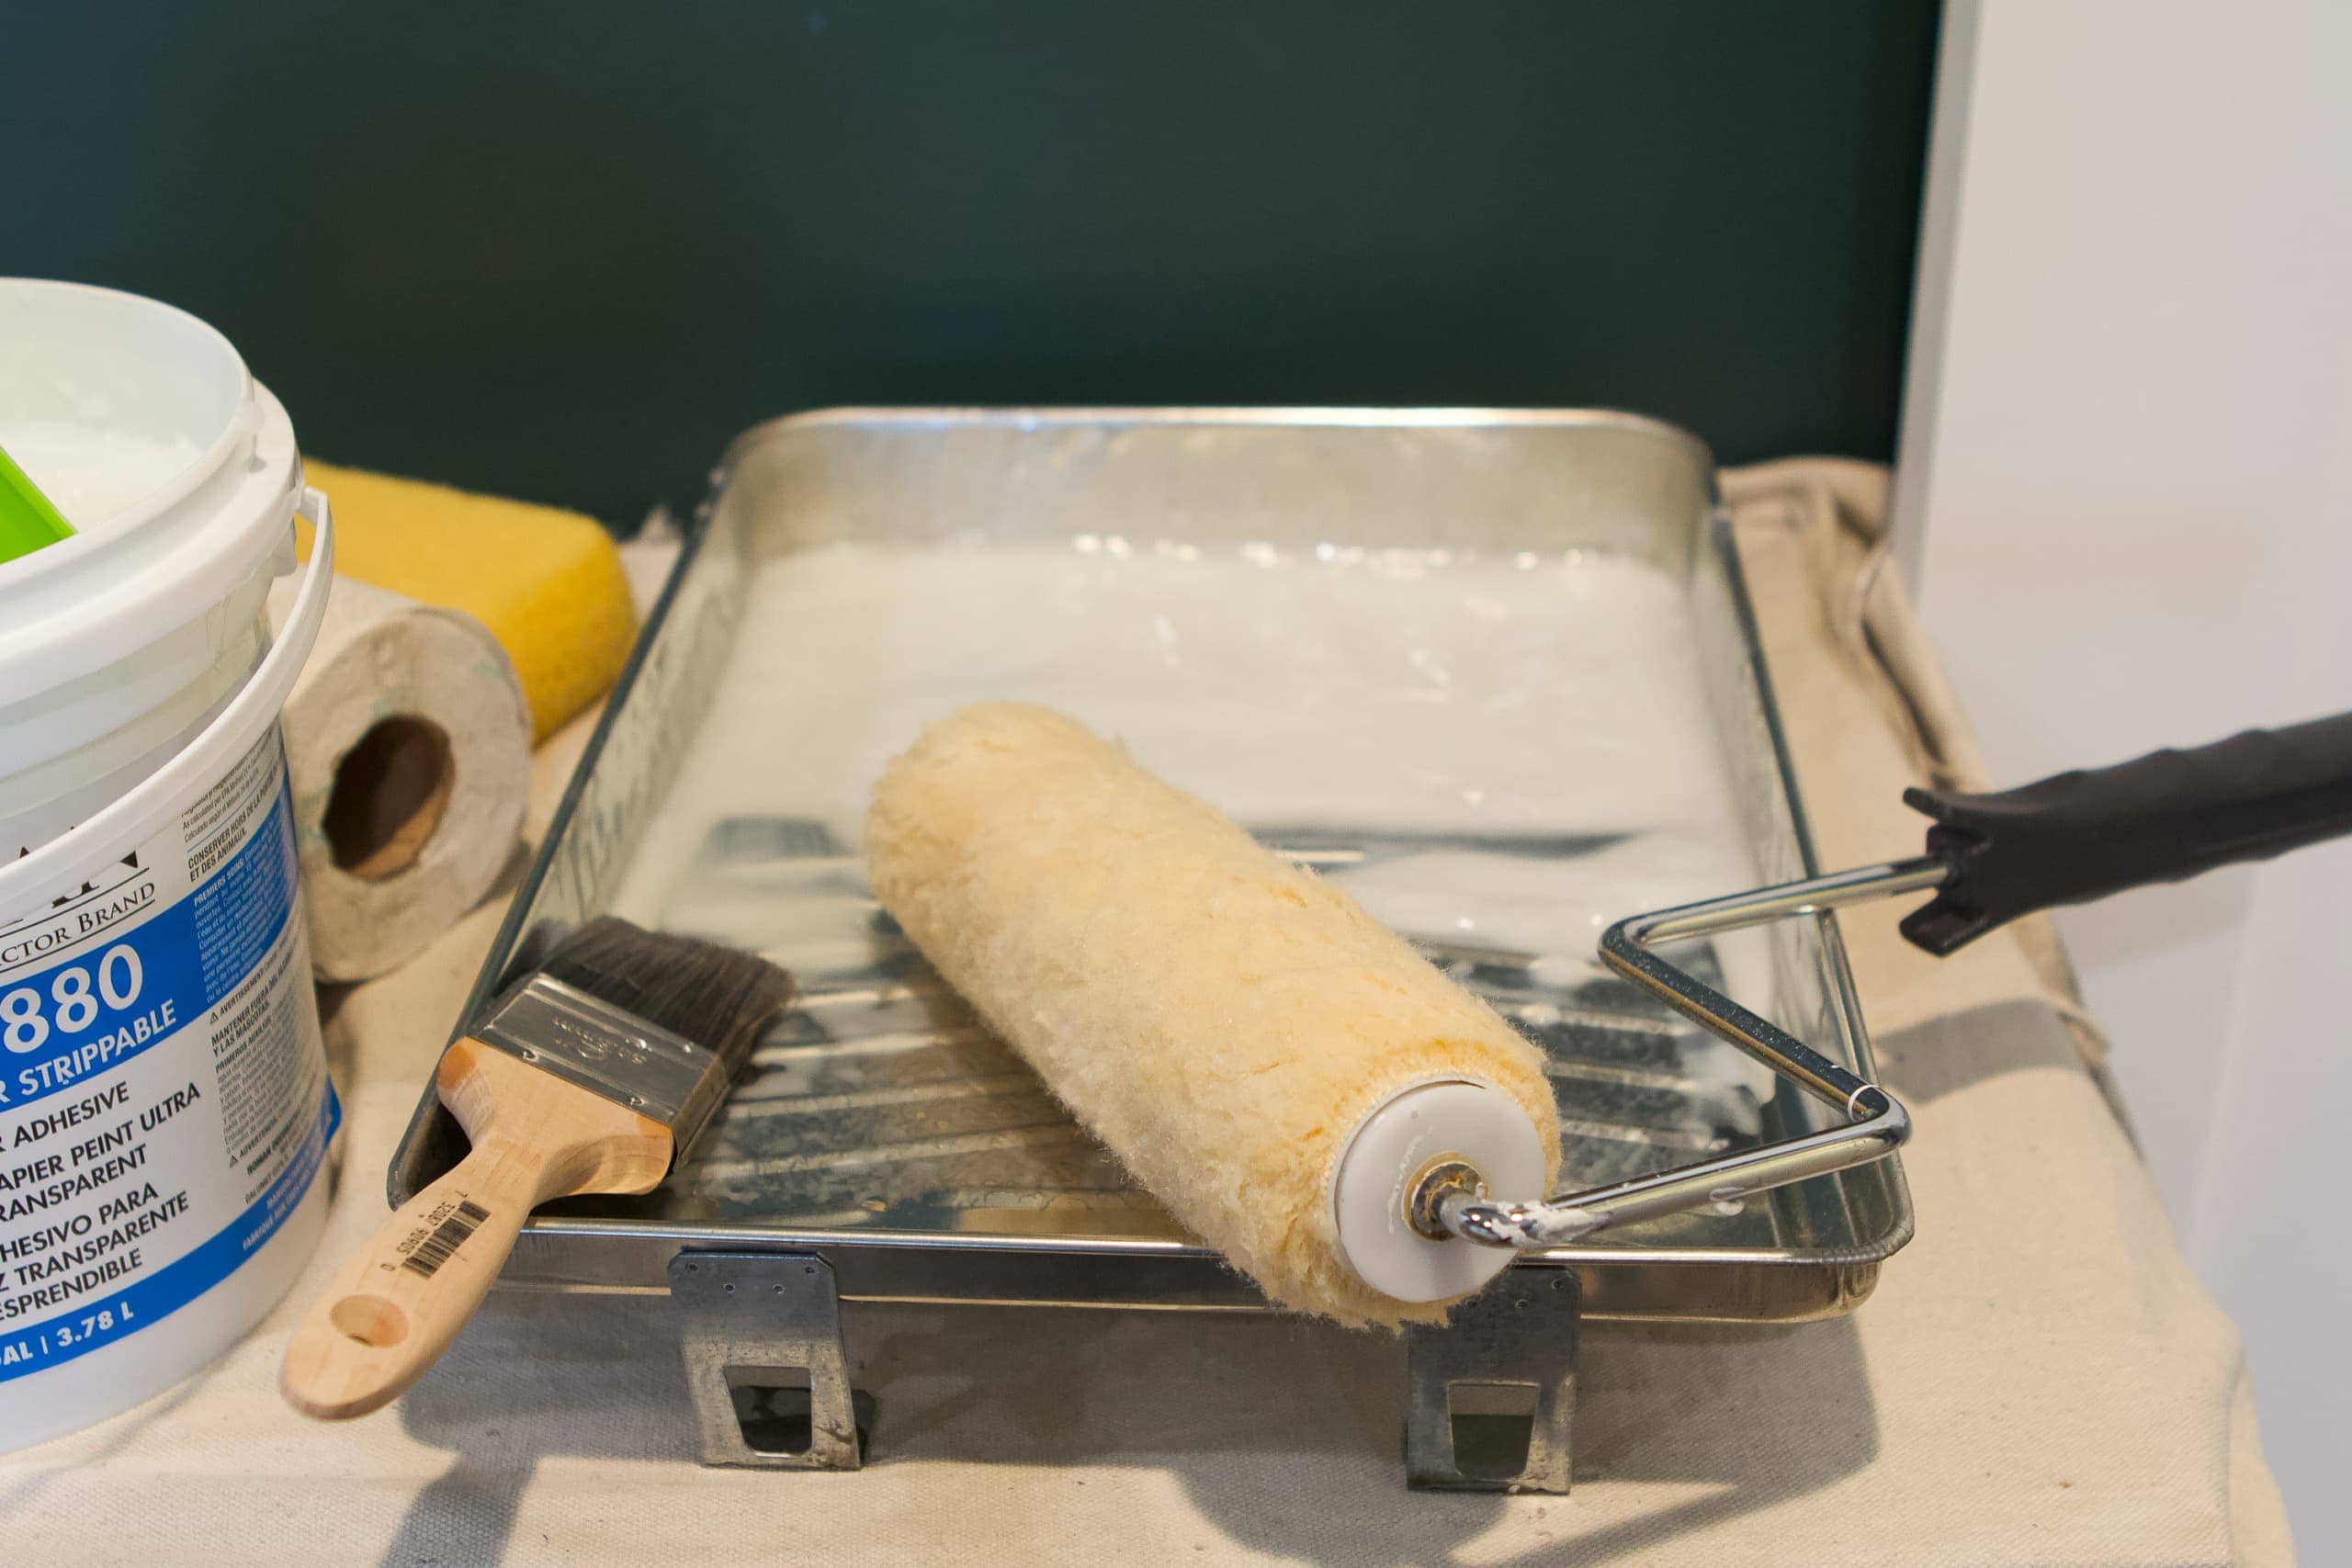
[(239, 425), (124, 822)]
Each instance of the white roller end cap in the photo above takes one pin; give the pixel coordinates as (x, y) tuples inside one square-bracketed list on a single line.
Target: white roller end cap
[(1475, 1122)]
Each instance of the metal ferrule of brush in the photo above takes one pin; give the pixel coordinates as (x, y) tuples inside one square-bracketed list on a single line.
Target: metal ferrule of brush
[(608, 1051)]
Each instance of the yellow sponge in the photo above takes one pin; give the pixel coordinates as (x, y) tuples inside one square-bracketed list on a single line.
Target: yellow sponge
[(547, 583)]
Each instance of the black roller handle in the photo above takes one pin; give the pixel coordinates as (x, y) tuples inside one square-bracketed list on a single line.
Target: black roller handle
[(2162, 817)]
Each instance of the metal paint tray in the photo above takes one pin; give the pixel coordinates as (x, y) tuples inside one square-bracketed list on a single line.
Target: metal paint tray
[(888, 1149)]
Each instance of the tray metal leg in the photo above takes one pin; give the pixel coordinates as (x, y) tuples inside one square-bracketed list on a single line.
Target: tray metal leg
[(761, 1334), (1492, 1388)]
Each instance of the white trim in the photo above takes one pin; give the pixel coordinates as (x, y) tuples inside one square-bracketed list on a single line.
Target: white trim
[(1931, 288)]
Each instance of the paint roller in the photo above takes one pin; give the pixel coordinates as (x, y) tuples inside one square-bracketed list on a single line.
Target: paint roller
[(1311, 1097), (1278, 1068)]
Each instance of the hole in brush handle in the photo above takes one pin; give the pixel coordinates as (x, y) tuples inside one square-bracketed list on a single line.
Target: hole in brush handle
[(371, 1321)]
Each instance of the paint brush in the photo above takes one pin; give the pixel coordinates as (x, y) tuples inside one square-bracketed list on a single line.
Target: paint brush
[(593, 1074)]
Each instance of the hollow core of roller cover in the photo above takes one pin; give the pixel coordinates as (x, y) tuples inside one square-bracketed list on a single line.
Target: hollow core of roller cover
[(1403, 1137)]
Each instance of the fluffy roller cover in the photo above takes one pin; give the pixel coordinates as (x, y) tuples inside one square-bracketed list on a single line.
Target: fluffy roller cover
[(1222, 1020)]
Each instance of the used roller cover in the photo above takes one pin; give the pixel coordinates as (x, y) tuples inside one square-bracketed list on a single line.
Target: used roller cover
[(1223, 1021)]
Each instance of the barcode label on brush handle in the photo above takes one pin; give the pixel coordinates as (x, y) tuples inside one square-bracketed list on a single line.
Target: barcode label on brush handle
[(446, 1237)]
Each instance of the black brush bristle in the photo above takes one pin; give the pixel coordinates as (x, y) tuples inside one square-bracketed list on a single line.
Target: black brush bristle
[(720, 999)]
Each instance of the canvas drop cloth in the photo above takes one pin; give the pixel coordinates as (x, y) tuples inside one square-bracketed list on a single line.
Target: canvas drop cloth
[(2037, 1380)]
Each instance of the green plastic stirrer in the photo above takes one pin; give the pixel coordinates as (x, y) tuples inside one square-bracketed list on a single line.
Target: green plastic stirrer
[(29, 520)]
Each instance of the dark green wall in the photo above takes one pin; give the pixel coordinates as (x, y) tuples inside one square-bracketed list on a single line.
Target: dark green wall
[(566, 248)]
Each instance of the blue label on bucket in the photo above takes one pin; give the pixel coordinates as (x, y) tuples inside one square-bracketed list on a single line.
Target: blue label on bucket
[(69, 1022), (164, 1101), (100, 1321)]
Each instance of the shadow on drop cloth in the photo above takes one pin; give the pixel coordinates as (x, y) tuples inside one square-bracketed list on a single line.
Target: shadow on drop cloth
[(1250, 1414)]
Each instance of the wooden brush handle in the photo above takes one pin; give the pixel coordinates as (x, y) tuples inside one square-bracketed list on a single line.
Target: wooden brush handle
[(388, 1314)]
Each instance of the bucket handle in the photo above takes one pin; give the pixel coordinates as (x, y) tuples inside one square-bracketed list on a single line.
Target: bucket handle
[(115, 829)]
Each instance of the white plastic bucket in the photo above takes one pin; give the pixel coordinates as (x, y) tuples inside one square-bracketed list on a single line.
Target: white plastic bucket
[(165, 1108)]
